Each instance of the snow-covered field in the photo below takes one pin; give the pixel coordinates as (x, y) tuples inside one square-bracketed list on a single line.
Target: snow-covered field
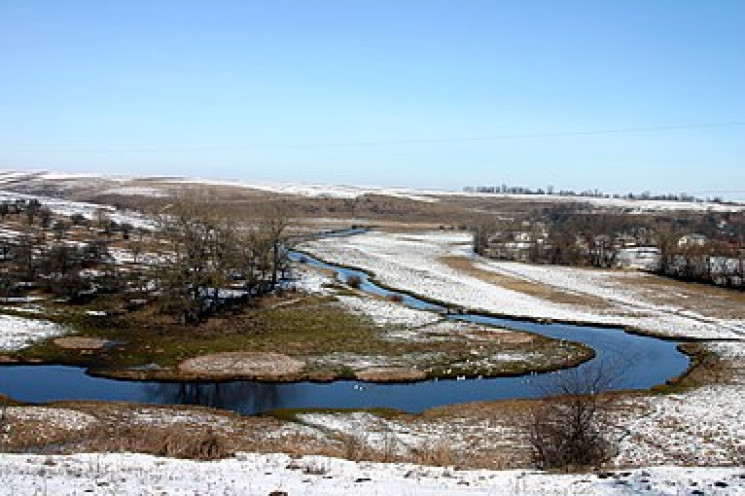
[(87, 210), (701, 426), (17, 332), (413, 262), (160, 186), (629, 205), (256, 474)]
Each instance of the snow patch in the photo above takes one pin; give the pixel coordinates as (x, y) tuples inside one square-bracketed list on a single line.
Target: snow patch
[(17, 333)]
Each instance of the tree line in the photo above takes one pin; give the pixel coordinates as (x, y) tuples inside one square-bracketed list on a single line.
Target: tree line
[(195, 262), (589, 193), (707, 248)]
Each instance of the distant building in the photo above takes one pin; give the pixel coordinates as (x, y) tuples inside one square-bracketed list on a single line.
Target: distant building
[(638, 258), (690, 240)]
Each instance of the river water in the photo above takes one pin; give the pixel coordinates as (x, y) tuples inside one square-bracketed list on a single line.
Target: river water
[(638, 362)]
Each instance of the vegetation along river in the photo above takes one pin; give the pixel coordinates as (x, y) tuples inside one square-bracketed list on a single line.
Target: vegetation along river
[(641, 362)]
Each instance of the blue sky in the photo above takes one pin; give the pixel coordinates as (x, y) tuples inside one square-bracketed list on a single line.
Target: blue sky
[(404, 92)]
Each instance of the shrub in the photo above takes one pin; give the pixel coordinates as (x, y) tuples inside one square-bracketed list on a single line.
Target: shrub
[(571, 427), (354, 281)]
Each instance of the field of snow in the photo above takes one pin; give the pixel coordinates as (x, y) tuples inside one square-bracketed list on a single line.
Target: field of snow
[(59, 418), (319, 190), (412, 262), (388, 313), (701, 426), (17, 332), (261, 475), (87, 210), (631, 206), (123, 185)]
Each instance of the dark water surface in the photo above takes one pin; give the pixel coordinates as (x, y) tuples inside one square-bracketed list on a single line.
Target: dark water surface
[(643, 362)]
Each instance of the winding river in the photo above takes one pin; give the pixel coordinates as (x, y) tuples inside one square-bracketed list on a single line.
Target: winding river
[(642, 362)]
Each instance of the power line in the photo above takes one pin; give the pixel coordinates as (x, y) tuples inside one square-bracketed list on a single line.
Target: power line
[(407, 141)]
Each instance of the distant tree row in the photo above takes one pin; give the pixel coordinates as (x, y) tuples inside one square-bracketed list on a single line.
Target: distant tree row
[(590, 193)]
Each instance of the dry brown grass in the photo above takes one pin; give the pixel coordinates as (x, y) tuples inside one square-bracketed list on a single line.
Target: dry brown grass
[(438, 453), (467, 266), (707, 300), (80, 343), (250, 365), (177, 441), (390, 374)]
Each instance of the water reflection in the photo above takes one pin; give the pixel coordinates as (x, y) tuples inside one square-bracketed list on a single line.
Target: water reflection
[(244, 397)]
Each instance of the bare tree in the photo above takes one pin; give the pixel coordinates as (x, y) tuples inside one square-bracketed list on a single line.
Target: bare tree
[(273, 225), (210, 251), (571, 426), (189, 227)]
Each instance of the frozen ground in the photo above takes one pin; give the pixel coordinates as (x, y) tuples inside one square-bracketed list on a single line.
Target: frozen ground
[(17, 332), (702, 426), (58, 418), (159, 186), (413, 262), (88, 210), (254, 474)]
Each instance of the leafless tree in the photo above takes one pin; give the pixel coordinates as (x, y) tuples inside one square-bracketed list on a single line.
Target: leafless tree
[(208, 250), (188, 226), (571, 426)]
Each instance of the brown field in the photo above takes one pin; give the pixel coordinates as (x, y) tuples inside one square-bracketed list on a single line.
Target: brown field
[(467, 266)]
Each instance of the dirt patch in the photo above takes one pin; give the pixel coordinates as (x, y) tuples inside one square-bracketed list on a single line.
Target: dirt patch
[(244, 365), (501, 336), (78, 343), (390, 374), (536, 290)]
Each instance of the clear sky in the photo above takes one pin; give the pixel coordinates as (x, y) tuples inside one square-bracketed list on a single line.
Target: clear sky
[(424, 93)]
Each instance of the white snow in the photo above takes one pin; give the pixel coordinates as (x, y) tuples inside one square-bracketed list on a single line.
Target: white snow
[(701, 426), (259, 474), (631, 206), (160, 188), (310, 281), (163, 417), (386, 313), (137, 191), (18, 332), (88, 210), (60, 418), (318, 190)]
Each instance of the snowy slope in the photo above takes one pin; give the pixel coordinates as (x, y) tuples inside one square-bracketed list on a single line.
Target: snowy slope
[(256, 474)]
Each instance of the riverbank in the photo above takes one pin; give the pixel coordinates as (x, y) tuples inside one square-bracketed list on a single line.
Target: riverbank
[(422, 263), (652, 429), (325, 332)]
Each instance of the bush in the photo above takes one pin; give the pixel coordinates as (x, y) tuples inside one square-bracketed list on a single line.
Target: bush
[(204, 445), (571, 427), (354, 281)]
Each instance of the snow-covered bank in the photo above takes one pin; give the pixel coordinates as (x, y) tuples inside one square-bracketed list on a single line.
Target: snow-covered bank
[(254, 474), (413, 262), (701, 426), (17, 332)]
